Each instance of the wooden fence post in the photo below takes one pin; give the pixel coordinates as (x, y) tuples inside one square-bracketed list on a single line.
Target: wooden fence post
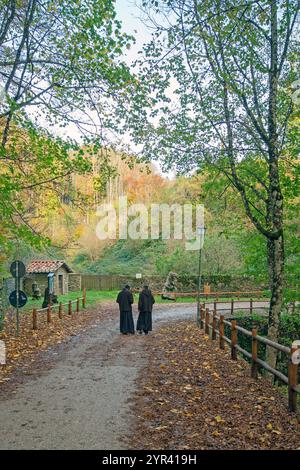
[(70, 307), (222, 332), (77, 305), (83, 297), (214, 326), (207, 321), (293, 381), (49, 314), (34, 319), (251, 306), (234, 340), (202, 317), (232, 306), (215, 305), (254, 367), (60, 310)]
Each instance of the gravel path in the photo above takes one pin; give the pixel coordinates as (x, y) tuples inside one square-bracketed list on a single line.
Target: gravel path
[(79, 396)]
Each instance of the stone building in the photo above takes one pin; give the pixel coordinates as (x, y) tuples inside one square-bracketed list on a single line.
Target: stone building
[(38, 270)]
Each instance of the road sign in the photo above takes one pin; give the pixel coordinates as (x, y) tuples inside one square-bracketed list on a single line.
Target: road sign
[(17, 269), (18, 298)]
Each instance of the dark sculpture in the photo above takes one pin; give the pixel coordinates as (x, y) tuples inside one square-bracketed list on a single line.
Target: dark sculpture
[(49, 299), (170, 287)]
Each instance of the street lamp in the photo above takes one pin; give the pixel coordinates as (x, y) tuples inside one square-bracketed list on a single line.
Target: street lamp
[(201, 233)]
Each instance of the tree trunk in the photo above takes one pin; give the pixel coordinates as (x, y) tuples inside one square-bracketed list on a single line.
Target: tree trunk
[(276, 270)]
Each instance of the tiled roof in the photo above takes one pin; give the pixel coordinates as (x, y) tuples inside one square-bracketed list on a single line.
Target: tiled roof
[(46, 266)]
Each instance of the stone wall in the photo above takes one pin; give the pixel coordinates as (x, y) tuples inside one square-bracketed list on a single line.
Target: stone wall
[(41, 279), (42, 282)]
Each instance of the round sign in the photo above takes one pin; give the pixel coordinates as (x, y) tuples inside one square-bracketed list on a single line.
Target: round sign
[(17, 269), (296, 357), (296, 354), (14, 301)]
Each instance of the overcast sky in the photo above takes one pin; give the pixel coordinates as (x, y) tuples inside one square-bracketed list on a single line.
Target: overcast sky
[(130, 14)]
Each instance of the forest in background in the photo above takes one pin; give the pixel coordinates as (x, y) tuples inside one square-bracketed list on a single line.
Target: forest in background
[(68, 218), (213, 96)]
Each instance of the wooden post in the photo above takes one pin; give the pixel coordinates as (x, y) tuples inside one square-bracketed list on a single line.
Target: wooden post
[(251, 306), (232, 306), (202, 314), (49, 314), (77, 305), (222, 332), (34, 319), (70, 307), (214, 326), (206, 321), (83, 297), (234, 340), (293, 381), (215, 305), (60, 310), (254, 367)]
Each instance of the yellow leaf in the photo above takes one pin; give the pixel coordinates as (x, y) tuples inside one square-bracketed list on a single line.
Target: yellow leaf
[(219, 419)]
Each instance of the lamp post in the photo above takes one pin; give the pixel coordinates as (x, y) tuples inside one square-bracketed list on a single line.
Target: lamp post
[(201, 233)]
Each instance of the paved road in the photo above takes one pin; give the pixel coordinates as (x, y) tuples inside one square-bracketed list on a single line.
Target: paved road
[(79, 398)]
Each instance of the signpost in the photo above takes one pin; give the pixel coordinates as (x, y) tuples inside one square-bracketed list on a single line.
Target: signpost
[(17, 297), (17, 269)]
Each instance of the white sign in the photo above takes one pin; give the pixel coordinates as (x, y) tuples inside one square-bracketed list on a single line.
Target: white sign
[(2, 353), (138, 276), (296, 354)]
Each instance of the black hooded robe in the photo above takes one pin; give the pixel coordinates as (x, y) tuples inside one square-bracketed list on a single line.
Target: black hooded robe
[(146, 301), (125, 301)]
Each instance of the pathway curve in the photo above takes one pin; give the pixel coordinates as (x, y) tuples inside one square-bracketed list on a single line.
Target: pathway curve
[(81, 397)]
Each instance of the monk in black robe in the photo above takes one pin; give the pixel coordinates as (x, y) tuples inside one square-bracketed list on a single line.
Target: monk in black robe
[(125, 301), (146, 301)]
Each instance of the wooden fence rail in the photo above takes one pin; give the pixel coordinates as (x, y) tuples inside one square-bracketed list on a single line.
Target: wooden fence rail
[(50, 308), (213, 295), (233, 306), (217, 329)]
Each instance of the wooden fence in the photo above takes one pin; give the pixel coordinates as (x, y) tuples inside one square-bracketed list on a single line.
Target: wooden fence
[(96, 282), (238, 305), (214, 325), (233, 297), (49, 310)]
